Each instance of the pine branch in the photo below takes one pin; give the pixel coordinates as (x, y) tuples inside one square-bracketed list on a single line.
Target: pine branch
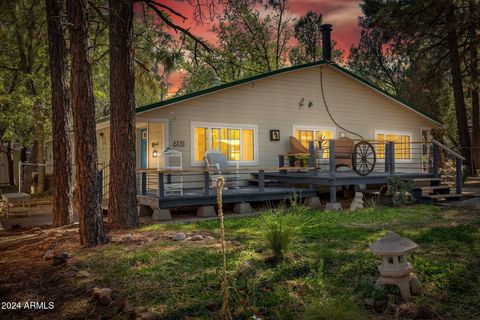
[(152, 5)]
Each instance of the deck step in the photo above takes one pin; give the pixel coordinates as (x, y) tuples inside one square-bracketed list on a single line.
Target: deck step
[(434, 189), (443, 196), (427, 179), (476, 179)]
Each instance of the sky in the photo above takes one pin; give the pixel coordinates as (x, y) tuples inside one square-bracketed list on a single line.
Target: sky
[(342, 14)]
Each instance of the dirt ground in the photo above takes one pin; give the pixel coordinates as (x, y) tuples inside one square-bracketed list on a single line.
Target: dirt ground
[(27, 277)]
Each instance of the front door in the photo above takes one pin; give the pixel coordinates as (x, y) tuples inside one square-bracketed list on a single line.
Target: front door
[(143, 148)]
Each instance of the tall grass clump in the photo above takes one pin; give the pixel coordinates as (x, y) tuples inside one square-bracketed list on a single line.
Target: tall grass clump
[(280, 226), (339, 307)]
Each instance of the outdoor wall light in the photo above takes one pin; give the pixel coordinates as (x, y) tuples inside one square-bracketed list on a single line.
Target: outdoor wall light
[(155, 153)]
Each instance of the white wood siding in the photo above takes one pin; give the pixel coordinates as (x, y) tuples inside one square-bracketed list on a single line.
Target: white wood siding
[(273, 103)]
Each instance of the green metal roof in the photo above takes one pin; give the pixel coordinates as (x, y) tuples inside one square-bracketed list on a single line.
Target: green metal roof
[(185, 97)]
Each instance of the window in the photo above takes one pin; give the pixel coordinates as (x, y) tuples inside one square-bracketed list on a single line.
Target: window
[(306, 134), (401, 140), (236, 142)]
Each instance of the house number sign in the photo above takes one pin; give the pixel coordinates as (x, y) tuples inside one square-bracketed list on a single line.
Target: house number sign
[(178, 143)]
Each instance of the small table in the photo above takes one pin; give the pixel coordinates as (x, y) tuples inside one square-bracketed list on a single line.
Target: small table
[(11, 198)]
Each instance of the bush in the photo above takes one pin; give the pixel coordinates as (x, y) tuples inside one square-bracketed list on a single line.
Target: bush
[(334, 308), (280, 226), (401, 190)]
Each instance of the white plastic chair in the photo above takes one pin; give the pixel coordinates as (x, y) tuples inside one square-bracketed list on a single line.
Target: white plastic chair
[(218, 165)]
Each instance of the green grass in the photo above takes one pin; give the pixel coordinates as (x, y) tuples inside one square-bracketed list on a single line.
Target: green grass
[(329, 259)]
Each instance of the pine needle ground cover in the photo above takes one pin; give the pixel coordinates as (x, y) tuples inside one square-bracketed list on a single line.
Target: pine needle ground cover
[(327, 269)]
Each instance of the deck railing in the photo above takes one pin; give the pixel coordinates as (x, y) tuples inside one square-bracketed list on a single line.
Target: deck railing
[(159, 183), (425, 158)]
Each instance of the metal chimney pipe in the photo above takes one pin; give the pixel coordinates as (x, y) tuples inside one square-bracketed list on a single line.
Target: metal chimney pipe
[(326, 30)]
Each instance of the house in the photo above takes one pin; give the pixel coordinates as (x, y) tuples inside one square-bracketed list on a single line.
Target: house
[(251, 120), (238, 117)]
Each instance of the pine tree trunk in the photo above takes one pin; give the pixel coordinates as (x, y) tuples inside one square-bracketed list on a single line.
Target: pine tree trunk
[(11, 169), (460, 109), (475, 86), (62, 182), (122, 193), (90, 215)]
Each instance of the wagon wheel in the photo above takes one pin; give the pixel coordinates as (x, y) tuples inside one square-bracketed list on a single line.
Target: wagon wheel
[(364, 158)]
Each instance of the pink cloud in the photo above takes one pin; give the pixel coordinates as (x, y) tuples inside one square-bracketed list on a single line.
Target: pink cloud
[(342, 14)]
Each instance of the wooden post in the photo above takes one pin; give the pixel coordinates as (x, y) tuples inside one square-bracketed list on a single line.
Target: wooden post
[(261, 180), (435, 159), (281, 162), (206, 183), (161, 186), (333, 193), (331, 158), (333, 171), (391, 164), (386, 156), (311, 150), (458, 176), (143, 183)]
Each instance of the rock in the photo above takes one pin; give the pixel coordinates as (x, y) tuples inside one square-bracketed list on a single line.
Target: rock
[(415, 285), (70, 273), (48, 255), (247, 268), (357, 202), (407, 310), (179, 236), (260, 250), (380, 305), (121, 306), (83, 274), (59, 258), (212, 306), (369, 302), (210, 238), (15, 226), (127, 238), (36, 230), (196, 237), (102, 295), (5, 290), (425, 312), (147, 315)]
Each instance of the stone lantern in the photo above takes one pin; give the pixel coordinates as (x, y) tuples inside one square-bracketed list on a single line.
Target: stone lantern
[(394, 268)]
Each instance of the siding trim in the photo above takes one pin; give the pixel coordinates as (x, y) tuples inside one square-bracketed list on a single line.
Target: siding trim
[(400, 133), (342, 70), (195, 124)]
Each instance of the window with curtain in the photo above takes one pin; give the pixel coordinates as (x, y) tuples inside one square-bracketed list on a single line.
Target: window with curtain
[(402, 144), (306, 135), (236, 143)]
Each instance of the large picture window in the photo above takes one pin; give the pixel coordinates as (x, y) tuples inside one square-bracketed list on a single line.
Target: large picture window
[(402, 142), (236, 142), (305, 134)]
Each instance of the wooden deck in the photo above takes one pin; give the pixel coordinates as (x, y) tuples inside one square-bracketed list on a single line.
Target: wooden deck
[(197, 197), (340, 178)]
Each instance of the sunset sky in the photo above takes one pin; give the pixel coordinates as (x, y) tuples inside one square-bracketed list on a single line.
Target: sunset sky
[(342, 14)]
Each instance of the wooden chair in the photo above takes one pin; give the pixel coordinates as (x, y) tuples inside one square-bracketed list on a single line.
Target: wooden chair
[(343, 152), (218, 165), (296, 146)]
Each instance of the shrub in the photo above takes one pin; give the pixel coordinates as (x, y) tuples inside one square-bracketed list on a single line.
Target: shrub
[(334, 308), (400, 190), (375, 203), (280, 226)]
